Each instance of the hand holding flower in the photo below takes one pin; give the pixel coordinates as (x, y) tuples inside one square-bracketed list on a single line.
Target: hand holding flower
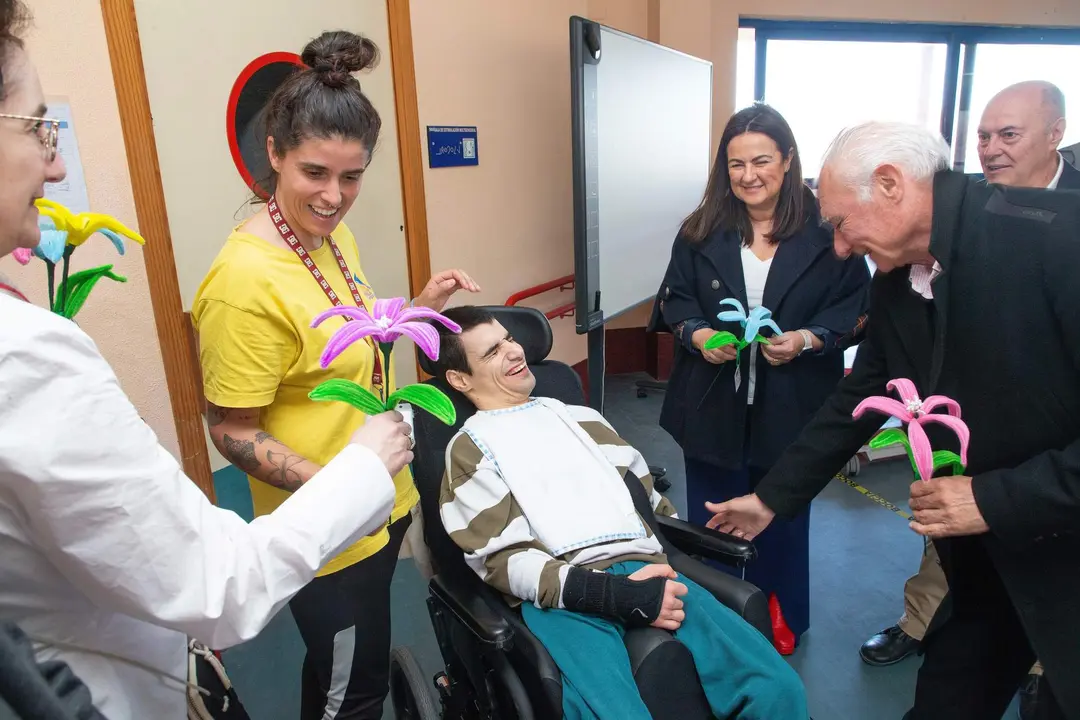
[(715, 355), (388, 437), (946, 508), (782, 349)]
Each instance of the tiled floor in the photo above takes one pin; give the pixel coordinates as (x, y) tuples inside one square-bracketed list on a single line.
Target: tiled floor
[(861, 554)]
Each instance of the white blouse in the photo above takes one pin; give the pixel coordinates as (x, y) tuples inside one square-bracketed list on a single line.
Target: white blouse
[(755, 273)]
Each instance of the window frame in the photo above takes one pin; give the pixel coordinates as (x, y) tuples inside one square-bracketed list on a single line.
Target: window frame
[(961, 43)]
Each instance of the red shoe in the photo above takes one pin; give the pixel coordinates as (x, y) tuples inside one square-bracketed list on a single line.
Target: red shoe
[(783, 637)]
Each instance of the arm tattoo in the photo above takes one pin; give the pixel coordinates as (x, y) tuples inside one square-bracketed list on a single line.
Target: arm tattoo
[(215, 415), (241, 453), (284, 474), (283, 470)]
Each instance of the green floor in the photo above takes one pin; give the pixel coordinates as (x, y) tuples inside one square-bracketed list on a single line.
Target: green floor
[(861, 554)]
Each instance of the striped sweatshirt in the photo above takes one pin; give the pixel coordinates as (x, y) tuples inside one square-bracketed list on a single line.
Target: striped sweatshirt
[(533, 490)]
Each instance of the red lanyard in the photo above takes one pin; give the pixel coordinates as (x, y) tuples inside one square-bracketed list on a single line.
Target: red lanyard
[(289, 237)]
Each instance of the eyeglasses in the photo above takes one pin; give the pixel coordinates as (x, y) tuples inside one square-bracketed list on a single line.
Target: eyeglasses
[(47, 129)]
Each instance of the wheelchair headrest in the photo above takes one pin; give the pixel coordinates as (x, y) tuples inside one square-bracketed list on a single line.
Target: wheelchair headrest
[(530, 329)]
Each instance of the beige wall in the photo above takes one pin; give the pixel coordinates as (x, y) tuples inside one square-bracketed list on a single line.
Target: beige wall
[(74, 68), (203, 191), (505, 67), (630, 16)]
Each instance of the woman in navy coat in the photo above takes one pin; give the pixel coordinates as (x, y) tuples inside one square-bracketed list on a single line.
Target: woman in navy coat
[(756, 239)]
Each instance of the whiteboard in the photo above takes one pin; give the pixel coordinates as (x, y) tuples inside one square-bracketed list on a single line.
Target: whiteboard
[(642, 117)]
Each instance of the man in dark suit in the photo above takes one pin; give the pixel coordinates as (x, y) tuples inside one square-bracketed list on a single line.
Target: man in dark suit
[(1018, 138), (975, 298), (1072, 154)]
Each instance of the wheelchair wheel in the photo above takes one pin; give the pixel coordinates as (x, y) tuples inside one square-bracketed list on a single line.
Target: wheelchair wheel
[(409, 690)]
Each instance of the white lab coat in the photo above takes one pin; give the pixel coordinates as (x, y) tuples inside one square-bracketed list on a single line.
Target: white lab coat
[(110, 556)]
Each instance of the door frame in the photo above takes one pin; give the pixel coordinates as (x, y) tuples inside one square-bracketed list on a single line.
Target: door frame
[(173, 327)]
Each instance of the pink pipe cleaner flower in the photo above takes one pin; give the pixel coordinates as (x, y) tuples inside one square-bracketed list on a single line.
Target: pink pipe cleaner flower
[(389, 320), (914, 412), (22, 255)]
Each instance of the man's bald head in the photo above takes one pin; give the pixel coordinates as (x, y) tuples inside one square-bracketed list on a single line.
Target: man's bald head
[(1019, 133), (1043, 98)]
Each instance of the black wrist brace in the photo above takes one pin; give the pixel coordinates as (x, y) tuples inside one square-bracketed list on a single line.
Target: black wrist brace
[(633, 602)]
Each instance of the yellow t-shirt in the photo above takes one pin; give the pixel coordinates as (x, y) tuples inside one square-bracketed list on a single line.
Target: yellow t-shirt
[(253, 313)]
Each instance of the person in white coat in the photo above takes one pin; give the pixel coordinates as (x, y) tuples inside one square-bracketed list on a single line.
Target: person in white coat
[(110, 557)]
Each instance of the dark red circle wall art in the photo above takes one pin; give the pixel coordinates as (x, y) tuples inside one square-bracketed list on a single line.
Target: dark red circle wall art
[(245, 118)]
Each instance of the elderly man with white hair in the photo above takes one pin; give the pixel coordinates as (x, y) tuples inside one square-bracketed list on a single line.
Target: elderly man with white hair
[(976, 299), (1019, 133)]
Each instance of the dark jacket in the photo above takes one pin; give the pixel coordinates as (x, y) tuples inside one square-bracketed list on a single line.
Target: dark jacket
[(1002, 337), (1070, 178), (807, 287), (1072, 156)]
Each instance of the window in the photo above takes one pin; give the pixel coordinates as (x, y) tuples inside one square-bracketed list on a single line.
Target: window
[(744, 69), (882, 81), (940, 76)]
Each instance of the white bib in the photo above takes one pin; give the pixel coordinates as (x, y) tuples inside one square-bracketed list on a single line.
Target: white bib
[(570, 493)]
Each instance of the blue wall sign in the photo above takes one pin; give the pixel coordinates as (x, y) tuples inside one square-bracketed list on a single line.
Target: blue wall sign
[(451, 146)]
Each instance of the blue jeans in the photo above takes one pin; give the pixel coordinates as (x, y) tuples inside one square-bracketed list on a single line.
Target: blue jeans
[(740, 670)]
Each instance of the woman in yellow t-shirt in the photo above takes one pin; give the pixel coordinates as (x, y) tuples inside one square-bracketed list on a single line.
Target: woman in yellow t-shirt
[(260, 359)]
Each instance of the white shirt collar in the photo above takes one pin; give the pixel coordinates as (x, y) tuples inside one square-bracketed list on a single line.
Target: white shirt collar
[(1057, 176)]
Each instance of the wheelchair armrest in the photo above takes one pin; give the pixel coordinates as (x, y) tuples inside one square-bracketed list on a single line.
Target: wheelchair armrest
[(472, 607), (711, 544)]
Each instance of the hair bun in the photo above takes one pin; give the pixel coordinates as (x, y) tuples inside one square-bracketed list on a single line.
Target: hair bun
[(337, 54)]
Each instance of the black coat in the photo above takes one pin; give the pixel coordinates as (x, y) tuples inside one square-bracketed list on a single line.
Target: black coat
[(807, 285), (1002, 337), (1070, 178)]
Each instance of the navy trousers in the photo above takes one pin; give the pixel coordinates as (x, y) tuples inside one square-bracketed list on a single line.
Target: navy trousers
[(783, 562)]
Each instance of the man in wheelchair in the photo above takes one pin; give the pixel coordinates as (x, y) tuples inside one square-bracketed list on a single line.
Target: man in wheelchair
[(534, 496)]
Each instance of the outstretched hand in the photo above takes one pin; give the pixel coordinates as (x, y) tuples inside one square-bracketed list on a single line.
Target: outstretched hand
[(442, 285), (744, 517)]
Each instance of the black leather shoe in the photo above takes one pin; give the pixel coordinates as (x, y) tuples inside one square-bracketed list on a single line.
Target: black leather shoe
[(889, 646), (1029, 698)]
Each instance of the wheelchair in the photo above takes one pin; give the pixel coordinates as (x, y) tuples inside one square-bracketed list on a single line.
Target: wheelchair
[(494, 667)]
